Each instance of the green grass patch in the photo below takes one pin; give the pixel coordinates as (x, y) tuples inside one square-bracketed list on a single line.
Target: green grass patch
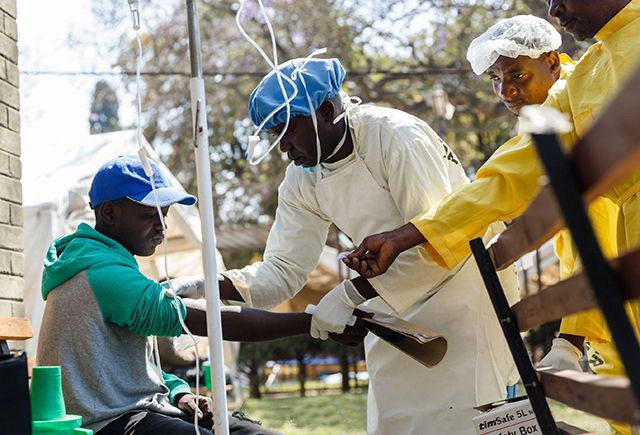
[(581, 419), (294, 386), (345, 414), (336, 414)]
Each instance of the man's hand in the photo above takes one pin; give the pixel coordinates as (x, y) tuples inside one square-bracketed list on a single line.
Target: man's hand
[(187, 403), (352, 335), (334, 310), (377, 252)]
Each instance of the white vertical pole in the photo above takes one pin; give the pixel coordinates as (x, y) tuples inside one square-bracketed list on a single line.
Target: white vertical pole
[(205, 205)]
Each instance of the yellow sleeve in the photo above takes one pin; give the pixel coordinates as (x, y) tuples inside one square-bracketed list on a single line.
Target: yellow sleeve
[(603, 214), (503, 188)]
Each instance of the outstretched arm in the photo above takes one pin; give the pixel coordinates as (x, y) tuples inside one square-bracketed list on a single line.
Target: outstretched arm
[(377, 252), (248, 324), (503, 188), (293, 248)]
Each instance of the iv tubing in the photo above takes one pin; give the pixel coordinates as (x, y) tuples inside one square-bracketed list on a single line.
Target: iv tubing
[(149, 172)]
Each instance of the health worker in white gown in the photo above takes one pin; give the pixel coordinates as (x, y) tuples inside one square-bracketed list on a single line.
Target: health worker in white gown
[(377, 168)]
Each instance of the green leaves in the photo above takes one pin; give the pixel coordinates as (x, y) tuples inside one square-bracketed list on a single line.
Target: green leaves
[(396, 52)]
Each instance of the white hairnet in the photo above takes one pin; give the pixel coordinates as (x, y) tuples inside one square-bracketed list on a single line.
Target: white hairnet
[(522, 35)]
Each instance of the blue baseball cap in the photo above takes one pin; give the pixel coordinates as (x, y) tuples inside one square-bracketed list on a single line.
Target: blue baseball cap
[(124, 177)]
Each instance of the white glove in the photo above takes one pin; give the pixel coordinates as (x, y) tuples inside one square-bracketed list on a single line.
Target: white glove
[(334, 310), (191, 287), (562, 356)]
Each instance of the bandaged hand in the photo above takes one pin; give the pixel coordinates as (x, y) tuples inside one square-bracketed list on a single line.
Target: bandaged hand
[(334, 310), (562, 356), (187, 286)]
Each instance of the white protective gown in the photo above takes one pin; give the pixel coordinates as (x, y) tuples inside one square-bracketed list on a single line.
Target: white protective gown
[(399, 167)]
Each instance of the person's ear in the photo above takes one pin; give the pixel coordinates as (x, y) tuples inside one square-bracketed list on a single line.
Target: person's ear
[(327, 111), (553, 60), (108, 213)]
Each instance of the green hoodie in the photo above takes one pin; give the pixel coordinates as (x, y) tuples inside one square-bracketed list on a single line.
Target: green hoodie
[(125, 296), (99, 315)]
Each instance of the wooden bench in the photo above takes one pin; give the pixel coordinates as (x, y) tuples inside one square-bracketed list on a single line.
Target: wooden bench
[(15, 329), (605, 156)]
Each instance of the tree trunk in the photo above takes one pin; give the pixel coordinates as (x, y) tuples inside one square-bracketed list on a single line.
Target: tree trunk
[(354, 365), (254, 381), (344, 369), (302, 375)]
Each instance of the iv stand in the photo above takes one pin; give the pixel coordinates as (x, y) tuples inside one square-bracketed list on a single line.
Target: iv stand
[(209, 258)]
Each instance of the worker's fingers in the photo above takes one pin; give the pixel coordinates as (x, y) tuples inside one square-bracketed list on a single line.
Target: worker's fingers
[(317, 332), (359, 251), (359, 266), (363, 268), (374, 269), (348, 261)]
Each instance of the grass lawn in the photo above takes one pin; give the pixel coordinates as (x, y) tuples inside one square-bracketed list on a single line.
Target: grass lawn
[(583, 420), (328, 414), (344, 414), (319, 386)]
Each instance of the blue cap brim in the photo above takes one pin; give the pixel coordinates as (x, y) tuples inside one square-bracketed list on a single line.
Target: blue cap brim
[(164, 197)]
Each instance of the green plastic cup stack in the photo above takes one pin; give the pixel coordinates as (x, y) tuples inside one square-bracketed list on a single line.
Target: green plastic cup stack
[(48, 413)]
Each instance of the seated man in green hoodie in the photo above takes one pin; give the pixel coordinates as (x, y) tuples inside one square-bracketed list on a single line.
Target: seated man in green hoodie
[(101, 312)]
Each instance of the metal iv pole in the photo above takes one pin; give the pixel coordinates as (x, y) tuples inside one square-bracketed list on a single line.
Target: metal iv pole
[(209, 259)]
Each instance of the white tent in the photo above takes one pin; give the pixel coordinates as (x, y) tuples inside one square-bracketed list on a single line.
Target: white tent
[(56, 181)]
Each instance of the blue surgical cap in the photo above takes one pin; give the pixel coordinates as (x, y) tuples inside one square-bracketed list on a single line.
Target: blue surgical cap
[(323, 78)]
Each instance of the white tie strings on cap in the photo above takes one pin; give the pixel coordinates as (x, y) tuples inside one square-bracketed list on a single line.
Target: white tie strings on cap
[(287, 97), (274, 65)]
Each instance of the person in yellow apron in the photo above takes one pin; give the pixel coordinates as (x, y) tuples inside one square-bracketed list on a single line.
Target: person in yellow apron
[(507, 182), (519, 54), (375, 168)]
